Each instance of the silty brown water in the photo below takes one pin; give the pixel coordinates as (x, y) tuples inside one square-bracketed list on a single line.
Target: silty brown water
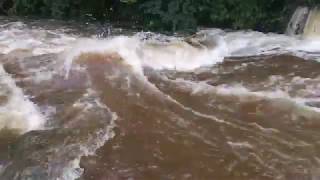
[(119, 108)]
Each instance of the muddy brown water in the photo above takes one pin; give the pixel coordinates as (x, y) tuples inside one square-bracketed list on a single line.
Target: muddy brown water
[(245, 118)]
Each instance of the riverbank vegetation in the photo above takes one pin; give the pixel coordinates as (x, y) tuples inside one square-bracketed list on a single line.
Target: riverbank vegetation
[(262, 15)]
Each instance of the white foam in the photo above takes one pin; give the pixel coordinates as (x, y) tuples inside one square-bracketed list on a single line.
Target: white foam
[(17, 35), (182, 56), (126, 47), (16, 111), (73, 170), (252, 43), (177, 55), (245, 95), (158, 53)]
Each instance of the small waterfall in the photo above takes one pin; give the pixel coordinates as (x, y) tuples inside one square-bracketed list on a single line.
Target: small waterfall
[(312, 27), (305, 22), (298, 21)]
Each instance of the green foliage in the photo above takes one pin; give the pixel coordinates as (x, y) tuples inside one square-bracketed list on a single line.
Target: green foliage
[(263, 15), (61, 8), (237, 14), (175, 14), (51, 8)]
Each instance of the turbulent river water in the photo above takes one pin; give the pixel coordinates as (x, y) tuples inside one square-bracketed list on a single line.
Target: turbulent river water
[(131, 105)]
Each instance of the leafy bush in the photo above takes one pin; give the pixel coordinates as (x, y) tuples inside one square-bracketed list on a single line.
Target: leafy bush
[(61, 8), (50, 8), (174, 14), (263, 15), (237, 14)]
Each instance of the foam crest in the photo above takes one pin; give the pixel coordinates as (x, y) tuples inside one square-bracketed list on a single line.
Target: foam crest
[(244, 94), (162, 52), (125, 46), (251, 43), (18, 36), (16, 111), (183, 56), (156, 50), (176, 54)]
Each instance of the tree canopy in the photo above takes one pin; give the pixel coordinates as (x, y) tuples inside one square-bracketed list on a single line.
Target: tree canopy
[(263, 15)]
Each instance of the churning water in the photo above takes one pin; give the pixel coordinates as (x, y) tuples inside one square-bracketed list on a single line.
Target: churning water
[(217, 105)]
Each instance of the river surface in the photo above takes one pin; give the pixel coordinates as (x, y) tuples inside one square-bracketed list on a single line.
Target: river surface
[(78, 101)]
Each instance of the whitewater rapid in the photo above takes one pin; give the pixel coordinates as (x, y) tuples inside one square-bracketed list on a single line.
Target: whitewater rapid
[(71, 93), (155, 50)]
